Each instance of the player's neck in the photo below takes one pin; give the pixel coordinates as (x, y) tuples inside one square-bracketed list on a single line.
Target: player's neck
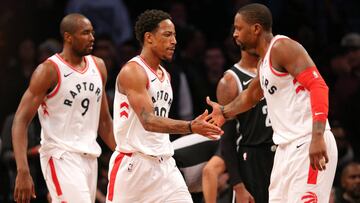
[(264, 43), (74, 60), (150, 59)]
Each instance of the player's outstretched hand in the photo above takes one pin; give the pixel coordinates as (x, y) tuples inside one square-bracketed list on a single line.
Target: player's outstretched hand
[(200, 126), (24, 188), (216, 117)]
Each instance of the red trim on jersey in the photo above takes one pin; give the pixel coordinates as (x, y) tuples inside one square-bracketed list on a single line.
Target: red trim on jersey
[(54, 177), (124, 113), (312, 176), (113, 174), (275, 72), (70, 66), (57, 87), (124, 104), (97, 67), (153, 70)]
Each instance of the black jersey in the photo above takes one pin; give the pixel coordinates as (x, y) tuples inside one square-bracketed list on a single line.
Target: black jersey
[(254, 125)]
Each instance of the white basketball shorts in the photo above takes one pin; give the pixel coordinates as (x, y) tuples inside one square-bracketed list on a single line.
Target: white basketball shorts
[(71, 177), (292, 178), (139, 178)]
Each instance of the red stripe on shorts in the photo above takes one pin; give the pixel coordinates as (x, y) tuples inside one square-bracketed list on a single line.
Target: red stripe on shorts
[(312, 176), (113, 174), (54, 177)]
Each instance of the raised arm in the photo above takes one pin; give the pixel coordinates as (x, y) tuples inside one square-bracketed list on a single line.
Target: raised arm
[(300, 66), (132, 81), (105, 123), (43, 79)]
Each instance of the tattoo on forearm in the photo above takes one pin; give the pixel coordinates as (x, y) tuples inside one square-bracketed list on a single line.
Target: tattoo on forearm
[(145, 115)]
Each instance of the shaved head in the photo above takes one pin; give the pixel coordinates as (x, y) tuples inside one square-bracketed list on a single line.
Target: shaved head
[(257, 13), (70, 23)]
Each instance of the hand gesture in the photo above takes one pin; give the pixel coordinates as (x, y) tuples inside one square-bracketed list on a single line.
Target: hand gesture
[(200, 126), (242, 195), (216, 117), (24, 188), (317, 153)]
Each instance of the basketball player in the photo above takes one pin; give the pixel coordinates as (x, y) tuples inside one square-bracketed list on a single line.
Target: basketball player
[(250, 166), (142, 168), (67, 91), (297, 99)]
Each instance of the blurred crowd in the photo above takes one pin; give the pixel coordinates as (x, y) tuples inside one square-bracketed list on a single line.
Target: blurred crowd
[(329, 30)]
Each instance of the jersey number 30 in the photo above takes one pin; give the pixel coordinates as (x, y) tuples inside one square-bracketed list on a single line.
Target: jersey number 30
[(160, 112)]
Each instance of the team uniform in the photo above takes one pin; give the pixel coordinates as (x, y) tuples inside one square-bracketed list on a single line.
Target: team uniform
[(69, 117), (289, 109), (253, 160), (142, 168)]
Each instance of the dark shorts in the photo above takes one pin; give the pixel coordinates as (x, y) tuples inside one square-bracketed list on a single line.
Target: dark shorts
[(255, 169)]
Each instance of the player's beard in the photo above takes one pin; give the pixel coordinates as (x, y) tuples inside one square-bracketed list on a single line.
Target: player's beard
[(83, 52)]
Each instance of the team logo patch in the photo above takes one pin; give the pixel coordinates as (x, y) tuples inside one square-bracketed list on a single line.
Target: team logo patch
[(130, 167), (309, 197)]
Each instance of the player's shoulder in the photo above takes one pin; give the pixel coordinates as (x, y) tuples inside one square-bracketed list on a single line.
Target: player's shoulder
[(228, 78), (47, 67), (46, 74), (227, 85), (285, 44), (97, 60), (132, 71), (132, 67)]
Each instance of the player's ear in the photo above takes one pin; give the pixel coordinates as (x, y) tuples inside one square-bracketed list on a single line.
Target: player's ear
[(148, 37), (67, 37), (256, 28)]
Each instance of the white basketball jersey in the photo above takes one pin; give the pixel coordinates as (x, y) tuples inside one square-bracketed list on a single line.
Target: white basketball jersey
[(288, 102), (130, 135), (69, 115)]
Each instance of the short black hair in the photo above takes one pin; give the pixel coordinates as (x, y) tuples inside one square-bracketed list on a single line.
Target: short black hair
[(70, 23), (257, 13), (148, 21)]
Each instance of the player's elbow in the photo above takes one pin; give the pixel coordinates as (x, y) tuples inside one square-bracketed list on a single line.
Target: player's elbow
[(148, 125)]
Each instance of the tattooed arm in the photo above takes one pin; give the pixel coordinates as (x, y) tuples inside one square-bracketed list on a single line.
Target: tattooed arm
[(132, 81)]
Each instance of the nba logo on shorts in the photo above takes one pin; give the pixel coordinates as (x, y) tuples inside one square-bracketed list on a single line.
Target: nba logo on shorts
[(130, 167), (309, 197), (245, 156)]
